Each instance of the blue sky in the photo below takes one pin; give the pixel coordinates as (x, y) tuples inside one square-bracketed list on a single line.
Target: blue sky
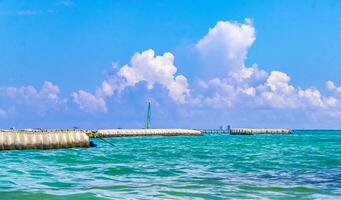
[(52, 50)]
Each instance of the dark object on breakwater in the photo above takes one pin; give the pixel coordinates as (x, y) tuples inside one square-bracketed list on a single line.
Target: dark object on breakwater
[(249, 131), (93, 144), (19, 140)]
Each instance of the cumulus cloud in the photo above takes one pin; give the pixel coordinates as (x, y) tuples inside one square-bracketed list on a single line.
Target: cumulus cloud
[(332, 87), (42, 100), (89, 102), (144, 67), (227, 43), (153, 70), (279, 82), (278, 93), (113, 84), (226, 46)]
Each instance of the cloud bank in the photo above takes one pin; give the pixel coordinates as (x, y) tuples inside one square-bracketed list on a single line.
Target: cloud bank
[(226, 46), (37, 100), (223, 49)]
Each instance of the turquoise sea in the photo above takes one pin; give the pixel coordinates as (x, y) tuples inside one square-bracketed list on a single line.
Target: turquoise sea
[(304, 165)]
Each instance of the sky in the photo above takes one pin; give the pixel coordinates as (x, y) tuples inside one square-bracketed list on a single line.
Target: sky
[(202, 64)]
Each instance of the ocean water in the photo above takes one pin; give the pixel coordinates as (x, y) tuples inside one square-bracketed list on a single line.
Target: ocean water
[(304, 165)]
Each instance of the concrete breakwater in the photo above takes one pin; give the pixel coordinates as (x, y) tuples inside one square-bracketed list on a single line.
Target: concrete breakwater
[(53, 139), (248, 131), (144, 132), (19, 140), (56, 139)]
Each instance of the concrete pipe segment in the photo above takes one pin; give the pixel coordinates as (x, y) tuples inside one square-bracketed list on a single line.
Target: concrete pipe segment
[(19, 140)]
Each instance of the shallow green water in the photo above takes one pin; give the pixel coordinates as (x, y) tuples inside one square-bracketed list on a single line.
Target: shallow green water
[(305, 165)]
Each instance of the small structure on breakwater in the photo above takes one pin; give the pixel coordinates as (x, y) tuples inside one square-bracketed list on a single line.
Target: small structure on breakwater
[(19, 140), (144, 132), (253, 131), (216, 131)]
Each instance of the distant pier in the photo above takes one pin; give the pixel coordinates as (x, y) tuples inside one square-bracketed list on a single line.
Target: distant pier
[(247, 131), (253, 131)]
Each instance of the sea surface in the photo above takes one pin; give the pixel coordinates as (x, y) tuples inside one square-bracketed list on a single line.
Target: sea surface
[(304, 165)]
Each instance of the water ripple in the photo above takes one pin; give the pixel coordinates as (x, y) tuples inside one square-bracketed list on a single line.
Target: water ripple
[(304, 165)]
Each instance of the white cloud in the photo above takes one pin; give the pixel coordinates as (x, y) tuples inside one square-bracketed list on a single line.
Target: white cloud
[(331, 102), (226, 46), (278, 93), (332, 87), (249, 91), (50, 91), (279, 82), (153, 70), (66, 3), (179, 89), (144, 67), (89, 102), (147, 67), (228, 43), (26, 12), (107, 89), (42, 100), (311, 97)]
